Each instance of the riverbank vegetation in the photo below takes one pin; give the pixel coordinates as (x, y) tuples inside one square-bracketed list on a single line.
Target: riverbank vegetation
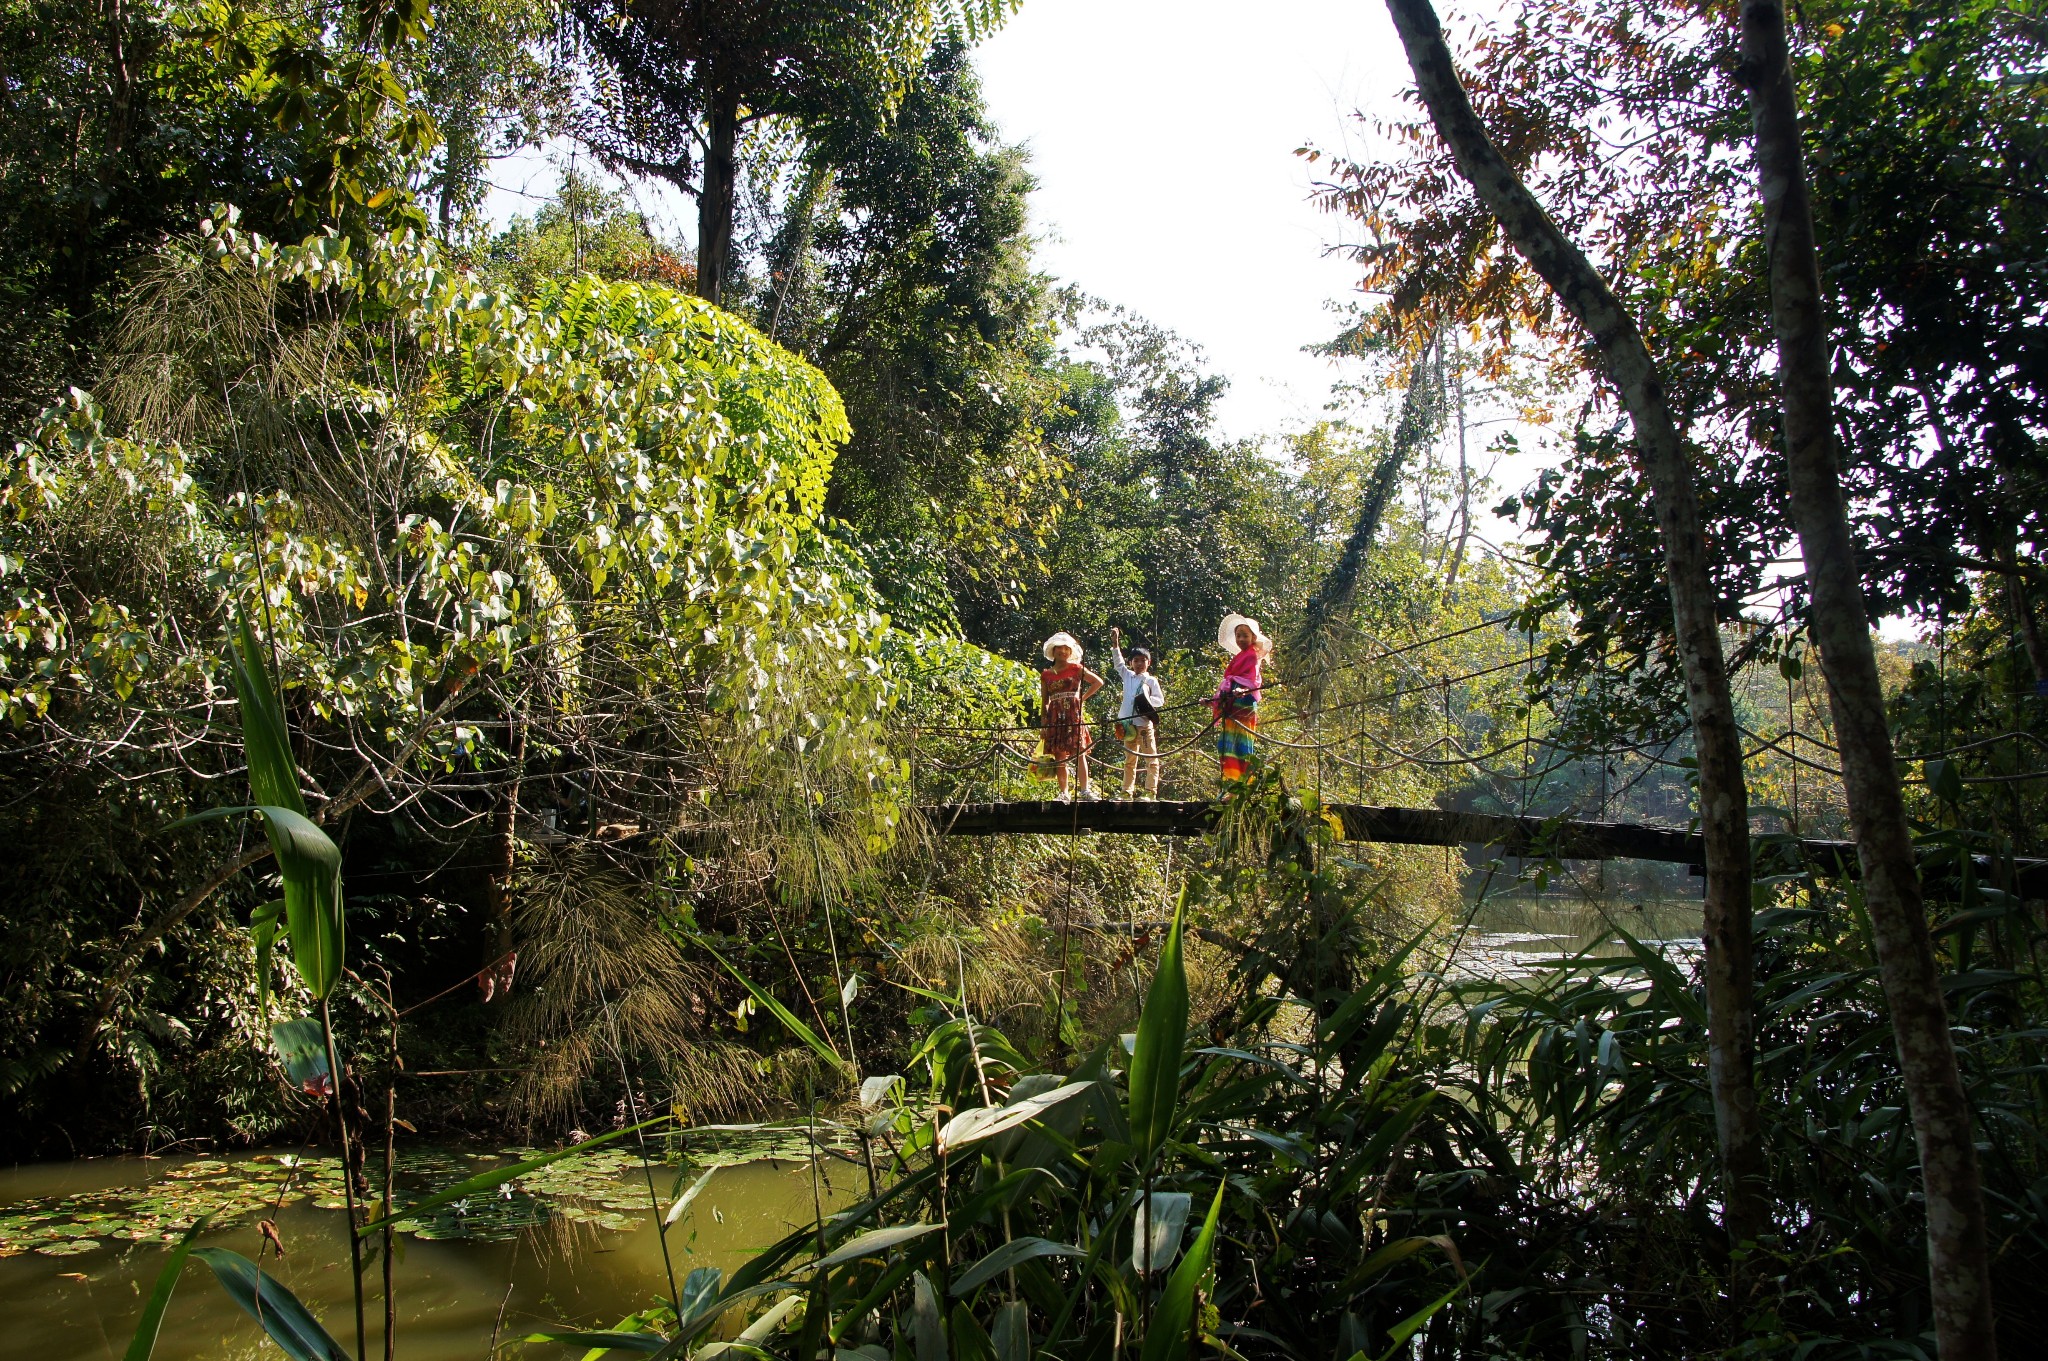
[(594, 620)]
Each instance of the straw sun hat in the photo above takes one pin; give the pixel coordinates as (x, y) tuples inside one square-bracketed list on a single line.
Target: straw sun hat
[(1226, 632), (1062, 639)]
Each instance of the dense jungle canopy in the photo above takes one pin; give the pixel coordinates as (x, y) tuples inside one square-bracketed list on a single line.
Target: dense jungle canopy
[(529, 650)]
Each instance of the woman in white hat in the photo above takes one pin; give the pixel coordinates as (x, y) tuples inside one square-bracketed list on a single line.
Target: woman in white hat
[(1236, 702), (1063, 688)]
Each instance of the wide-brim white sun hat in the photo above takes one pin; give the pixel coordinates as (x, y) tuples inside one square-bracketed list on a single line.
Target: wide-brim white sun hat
[(1059, 639), (1226, 632)]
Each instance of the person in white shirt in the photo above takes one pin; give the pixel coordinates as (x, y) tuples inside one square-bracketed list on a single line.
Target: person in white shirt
[(1137, 718)]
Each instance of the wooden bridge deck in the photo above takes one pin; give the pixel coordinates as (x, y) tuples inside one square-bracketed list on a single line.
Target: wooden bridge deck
[(1565, 839)]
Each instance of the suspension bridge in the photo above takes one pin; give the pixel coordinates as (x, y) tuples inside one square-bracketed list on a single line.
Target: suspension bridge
[(1438, 736)]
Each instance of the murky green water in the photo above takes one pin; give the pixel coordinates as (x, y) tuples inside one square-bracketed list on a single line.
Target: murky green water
[(81, 1244)]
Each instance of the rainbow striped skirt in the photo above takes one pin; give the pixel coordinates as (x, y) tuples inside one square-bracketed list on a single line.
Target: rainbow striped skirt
[(1237, 727)]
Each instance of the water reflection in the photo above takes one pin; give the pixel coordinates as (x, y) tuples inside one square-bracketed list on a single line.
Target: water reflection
[(1510, 934)]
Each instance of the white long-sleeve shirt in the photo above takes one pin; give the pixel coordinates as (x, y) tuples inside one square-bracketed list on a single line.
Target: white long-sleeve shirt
[(1134, 683)]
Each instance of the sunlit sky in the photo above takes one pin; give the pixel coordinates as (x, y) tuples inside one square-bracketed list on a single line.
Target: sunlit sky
[(1163, 135)]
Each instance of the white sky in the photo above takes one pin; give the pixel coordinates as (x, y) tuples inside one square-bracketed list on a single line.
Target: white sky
[(1163, 136)]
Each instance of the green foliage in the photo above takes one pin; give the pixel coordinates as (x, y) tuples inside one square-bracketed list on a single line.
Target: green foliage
[(597, 506), (902, 268)]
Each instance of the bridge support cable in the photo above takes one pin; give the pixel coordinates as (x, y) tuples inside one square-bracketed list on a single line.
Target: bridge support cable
[(1529, 837)]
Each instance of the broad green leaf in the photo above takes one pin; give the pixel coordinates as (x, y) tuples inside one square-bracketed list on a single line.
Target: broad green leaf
[(1174, 1314), (927, 1324), (264, 1298), (1012, 1336), (877, 1241), (310, 864), (981, 1122), (1156, 1056), (1156, 1229), (266, 743), (152, 1321), (699, 1292), (1009, 1255), (302, 1047)]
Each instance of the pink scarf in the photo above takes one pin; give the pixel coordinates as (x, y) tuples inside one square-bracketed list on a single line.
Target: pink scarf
[(1241, 676)]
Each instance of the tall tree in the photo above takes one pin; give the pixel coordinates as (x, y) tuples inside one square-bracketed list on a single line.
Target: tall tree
[(1958, 1268), (691, 76), (902, 268), (1724, 806)]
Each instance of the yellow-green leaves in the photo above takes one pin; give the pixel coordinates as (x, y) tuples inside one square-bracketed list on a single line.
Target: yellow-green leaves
[(1162, 1036)]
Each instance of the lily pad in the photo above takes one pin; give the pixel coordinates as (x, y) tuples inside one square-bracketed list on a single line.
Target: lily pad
[(70, 1249)]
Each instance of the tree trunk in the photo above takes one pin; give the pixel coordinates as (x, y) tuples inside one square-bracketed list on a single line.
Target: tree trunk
[(1958, 1269), (715, 198), (1662, 458)]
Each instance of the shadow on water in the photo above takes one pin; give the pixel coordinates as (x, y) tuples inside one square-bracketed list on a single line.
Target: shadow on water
[(81, 1244)]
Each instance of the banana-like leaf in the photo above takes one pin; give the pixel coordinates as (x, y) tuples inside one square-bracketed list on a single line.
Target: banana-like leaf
[(927, 1324), (699, 1292), (264, 1298), (266, 742), (1012, 1335), (1156, 1056), (302, 1047), (1168, 1336), (151, 1323), (310, 864)]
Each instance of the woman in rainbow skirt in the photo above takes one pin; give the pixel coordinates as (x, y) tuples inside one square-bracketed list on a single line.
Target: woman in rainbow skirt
[(1236, 702)]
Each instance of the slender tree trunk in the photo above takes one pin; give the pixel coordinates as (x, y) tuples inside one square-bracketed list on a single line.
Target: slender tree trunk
[(715, 198), (2023, 618), (1958, 1267), (1662, 458)]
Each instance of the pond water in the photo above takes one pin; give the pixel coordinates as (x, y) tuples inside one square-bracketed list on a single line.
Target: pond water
[(81, 1244), (1510, 933)]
